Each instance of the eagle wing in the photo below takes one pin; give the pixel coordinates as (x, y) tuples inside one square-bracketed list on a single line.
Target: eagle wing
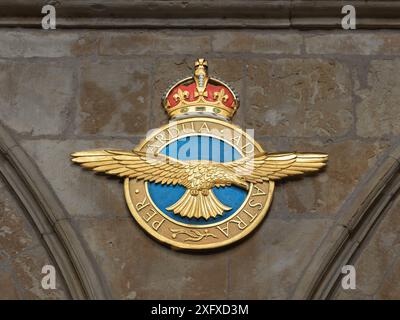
[(275, 166), (133, 164)]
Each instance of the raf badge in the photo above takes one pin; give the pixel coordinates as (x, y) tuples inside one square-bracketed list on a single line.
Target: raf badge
[(199, 182)]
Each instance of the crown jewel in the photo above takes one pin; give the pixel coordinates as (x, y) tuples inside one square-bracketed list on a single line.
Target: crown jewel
[(200, 95)]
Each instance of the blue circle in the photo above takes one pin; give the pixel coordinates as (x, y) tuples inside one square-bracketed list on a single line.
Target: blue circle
[(198, 148)]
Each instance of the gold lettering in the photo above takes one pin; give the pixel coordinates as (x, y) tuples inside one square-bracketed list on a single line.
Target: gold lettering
[(259, 193), (141, 205), (225, 230), (248, 148), (152, 148), (252, 217), (157, 224), (173, 132), (188, 130), (236, 139), (160, 137), (148, 216), (253, 205), (205, 127), (240, 223)]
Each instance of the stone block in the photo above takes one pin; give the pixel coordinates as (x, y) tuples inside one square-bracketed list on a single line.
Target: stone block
[(377, 266), (114, 98), (390, 288), (16, 233), (378, 109), (136, 266), (126, 43), (149, 42), (299, 98), (269, 263), (36, 43), (36, 97), (22, 255), (177, 43), (27, 268), (353, 43), (8, 286), (87, 43), (256, 41)]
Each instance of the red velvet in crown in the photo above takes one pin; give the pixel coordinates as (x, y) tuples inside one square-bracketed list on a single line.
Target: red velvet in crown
[(210, 89), (200, 95)]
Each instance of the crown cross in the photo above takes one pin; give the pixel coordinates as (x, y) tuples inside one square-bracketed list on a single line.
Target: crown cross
[(201, 77)]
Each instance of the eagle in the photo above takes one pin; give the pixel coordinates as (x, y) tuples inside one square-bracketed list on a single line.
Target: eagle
[(199, 176)]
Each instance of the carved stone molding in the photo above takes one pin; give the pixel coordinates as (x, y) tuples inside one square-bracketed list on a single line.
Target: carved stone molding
[(297, 14), (50, 219), (364, 209)]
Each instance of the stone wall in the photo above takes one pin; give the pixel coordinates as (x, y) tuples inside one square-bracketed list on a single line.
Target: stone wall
[(329, 91), (22, 255)]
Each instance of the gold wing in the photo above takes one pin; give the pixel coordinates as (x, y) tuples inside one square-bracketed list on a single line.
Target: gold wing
[(275, 166), (160, 169)]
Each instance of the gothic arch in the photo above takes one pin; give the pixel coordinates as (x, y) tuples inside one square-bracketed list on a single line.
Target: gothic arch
[(51, 221), (361, 212)]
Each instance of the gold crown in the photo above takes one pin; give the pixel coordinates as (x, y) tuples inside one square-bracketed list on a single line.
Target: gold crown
[(200, 95)]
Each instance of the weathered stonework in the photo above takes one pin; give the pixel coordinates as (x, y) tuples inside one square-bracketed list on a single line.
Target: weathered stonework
[(22, 255), (36, 98), (32, 44), (165, 274), (114, 97), (363, 43), (265, 275), (69, 90), (299, 98), (378, 112), (257, 42), (378, 266)]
